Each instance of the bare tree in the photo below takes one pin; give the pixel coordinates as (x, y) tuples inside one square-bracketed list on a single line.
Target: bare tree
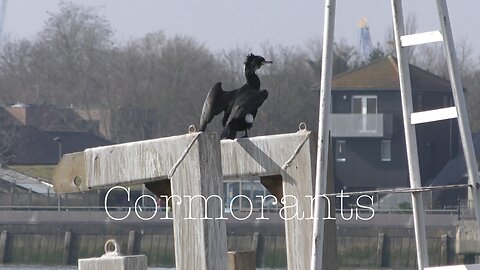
[(16, 83), (411, 26)]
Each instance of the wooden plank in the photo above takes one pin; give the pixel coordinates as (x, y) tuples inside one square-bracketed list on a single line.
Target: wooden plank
[(421, 38), (120, 164), (260, 156), (433, 115)]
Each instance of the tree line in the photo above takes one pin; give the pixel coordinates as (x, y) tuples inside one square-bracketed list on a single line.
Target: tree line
[(155, 86)]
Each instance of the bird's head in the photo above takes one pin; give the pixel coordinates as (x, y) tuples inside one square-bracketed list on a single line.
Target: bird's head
[(254, 62)]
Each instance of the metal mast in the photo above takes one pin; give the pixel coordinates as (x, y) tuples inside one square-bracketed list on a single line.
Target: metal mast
[(3, 11), (365, 40), (410, 119)]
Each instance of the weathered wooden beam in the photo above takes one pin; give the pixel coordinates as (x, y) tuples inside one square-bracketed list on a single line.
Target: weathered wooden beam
[(196, 158), (121, 164), (200, 243), (289, 157)]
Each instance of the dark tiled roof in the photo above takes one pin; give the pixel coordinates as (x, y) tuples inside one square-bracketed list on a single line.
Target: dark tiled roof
[(38, 147), (49, 117), (383, 75)]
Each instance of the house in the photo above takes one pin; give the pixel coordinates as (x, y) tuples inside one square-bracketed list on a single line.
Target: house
[(50, 118), (33, 138), (367, 126)]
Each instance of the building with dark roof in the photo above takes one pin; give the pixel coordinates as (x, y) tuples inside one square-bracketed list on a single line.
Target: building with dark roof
[(49, 118), (38, 147), (35, 136), (367, 126)]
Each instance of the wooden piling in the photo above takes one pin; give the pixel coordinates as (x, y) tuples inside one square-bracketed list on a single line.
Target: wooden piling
[(67, 247), (380, 250), (444, 249), (200, 243), (241, 260), (132, 236), (284, 159), (3, 246)]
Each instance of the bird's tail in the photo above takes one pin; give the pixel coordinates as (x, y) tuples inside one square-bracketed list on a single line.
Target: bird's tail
[(228, 133)]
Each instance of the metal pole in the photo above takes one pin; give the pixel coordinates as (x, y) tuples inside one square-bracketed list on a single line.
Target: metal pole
[(323, 135), (457, 91), (410, 136)]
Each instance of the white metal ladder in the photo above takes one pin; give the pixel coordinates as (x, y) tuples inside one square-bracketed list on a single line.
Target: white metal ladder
[(409, 120)]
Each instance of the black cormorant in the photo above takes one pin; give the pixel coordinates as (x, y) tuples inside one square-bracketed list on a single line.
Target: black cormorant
[(240, 105)]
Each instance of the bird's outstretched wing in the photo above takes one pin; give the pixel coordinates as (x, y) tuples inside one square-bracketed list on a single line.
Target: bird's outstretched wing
[(213, 105)]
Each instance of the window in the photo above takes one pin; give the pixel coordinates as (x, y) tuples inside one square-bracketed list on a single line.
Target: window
[(250, 188), (340, 151), (386, 150), (364, 104), (364, 107)]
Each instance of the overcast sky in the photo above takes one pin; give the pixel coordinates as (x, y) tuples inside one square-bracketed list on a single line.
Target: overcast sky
[(223, 24)]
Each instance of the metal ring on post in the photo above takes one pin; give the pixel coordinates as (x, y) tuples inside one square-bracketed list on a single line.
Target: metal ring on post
[(192, 129), (116, 248), (302, 126)]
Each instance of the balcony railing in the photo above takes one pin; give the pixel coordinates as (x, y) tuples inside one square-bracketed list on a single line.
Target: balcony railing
[(361, 125)]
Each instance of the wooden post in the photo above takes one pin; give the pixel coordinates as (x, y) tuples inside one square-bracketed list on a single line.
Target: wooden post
[(287, 157), (200, 243), (380, 249), (3, 246), (241, 260), (66, 247), (258, 245), (444, 250), (132, 236)]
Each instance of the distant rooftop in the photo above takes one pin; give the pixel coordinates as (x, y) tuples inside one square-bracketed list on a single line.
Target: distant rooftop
[(37, 147), (383, 75)]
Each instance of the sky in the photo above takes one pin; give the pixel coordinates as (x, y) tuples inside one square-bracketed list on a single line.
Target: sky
[(225, 24)]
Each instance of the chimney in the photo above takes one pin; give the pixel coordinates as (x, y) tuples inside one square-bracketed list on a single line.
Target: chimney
[(19, 111)]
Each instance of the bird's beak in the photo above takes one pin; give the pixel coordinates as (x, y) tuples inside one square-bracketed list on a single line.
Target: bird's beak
[(266, 62)]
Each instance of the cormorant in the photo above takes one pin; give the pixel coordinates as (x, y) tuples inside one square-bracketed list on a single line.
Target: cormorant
[(239, 105)]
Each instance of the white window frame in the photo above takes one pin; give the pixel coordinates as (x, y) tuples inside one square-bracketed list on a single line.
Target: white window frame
[(364, 101)]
